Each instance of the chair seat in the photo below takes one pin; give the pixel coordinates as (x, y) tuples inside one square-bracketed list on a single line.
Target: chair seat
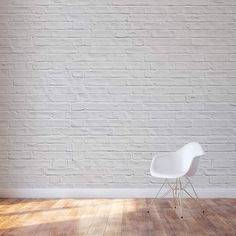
[(167, 175)]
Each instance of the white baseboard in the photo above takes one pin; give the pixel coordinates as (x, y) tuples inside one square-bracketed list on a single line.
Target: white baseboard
[(104, 193)]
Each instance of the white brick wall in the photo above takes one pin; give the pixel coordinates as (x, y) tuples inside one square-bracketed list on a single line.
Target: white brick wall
[(90, 90)]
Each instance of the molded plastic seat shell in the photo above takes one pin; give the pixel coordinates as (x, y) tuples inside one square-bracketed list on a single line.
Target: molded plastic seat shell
[(183, 162)]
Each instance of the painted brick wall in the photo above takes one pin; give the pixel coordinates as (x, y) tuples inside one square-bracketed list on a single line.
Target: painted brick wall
[(90, 90)]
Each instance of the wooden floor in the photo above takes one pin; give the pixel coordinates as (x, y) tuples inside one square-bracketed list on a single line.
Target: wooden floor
[(115, 217)]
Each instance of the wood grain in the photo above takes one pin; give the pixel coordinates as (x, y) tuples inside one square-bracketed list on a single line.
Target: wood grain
[(115, 217)]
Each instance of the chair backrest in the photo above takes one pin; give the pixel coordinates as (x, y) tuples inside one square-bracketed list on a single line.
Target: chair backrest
[(190, 157)]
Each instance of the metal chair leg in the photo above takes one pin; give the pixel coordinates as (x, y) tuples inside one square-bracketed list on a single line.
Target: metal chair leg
[(174, 190), (180, 198), (156, 196), (177, 190), (197, 198)]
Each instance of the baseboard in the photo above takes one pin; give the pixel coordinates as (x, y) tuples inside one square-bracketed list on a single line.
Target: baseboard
[(104, 193)]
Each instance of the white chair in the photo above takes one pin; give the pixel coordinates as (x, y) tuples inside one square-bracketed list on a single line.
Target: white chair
[(180, 166)]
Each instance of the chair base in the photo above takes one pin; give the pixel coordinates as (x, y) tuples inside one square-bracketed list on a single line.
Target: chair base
[(177, 189)]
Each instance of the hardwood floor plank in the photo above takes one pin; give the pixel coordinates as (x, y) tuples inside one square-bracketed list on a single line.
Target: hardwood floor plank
[(100, 219), (129, 222), (156, 216), (144, 222), (113, 227), (86, 219)]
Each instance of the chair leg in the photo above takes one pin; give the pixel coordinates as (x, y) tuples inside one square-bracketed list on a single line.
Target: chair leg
[(180, 198), (177, 190), (149, 206), (173, 189), (195, 193), (175, 194)]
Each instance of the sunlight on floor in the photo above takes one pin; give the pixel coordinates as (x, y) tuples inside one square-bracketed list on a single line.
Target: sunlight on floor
[(28, 213)]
